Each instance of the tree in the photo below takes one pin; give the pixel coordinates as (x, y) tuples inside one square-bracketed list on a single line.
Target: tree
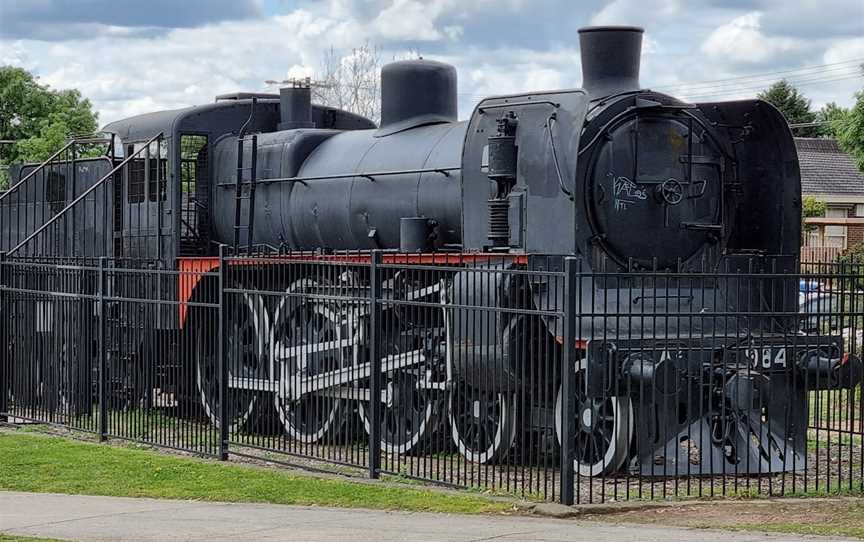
[(351, 81), (37, 118), (850, 130), (794, 106), (832, 116), (810, 207)]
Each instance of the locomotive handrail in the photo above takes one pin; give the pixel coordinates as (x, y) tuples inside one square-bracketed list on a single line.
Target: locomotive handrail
[(32, 173), (46, 162), (86, 193), (554, 119), (483, 108), (369, 175)]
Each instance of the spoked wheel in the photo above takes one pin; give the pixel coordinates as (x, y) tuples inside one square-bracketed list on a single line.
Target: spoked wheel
[(482, 423), (604, 427), (410, 410), (306, 340), (247, 324)]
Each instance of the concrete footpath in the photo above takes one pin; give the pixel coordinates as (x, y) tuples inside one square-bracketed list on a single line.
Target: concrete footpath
[(86, 518)]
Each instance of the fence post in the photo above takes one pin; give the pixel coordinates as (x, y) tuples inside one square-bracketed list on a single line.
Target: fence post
[(223, 360), (103, 361), (5, 369), (375, 364), (568, 379)]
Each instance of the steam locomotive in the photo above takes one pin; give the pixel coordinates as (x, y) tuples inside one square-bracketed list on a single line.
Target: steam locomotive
[(627, 179)]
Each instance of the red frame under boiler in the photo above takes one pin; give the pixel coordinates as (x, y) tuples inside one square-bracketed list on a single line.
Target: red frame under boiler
[(191, 269)]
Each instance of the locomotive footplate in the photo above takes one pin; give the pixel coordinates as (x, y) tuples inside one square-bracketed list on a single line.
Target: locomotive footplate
[(719, 405)]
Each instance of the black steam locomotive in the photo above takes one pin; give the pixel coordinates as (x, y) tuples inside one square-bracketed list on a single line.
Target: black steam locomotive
[(627, 179)]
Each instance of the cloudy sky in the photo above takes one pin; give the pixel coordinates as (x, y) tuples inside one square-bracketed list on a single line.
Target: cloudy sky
[(137, 56)]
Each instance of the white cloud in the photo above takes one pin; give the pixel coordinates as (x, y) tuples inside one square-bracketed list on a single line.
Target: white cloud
[(136, 73), (187, 66), (845, 50), (13, 54), (741, 40), (454, 32), (841, 83), (636, 12), (407, 20)]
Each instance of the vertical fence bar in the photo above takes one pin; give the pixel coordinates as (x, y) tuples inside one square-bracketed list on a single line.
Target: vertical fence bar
[(103, 362), (5, 370), (568, 381), (375, 364), (223, 361)]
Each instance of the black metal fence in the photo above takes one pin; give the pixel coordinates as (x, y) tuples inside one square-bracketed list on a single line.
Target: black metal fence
[(540, 379)]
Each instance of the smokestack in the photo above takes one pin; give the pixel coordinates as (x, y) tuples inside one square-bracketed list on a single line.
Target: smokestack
[(610, 59)]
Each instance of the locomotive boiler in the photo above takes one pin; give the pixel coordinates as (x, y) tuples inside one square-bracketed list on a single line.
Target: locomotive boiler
[(645, 190)]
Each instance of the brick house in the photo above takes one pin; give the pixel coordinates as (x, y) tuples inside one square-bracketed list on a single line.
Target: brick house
[(830, 175)]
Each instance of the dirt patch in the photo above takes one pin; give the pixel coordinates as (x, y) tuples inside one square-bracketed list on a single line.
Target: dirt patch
[(839, 517)]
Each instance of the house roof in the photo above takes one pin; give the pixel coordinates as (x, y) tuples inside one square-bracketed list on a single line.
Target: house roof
[(826, 169)]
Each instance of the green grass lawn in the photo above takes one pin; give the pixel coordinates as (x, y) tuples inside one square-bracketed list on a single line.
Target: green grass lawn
[(16, 538), (39, 463)]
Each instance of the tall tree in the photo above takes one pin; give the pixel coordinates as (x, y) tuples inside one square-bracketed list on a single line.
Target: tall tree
[(832, 116), (351, 81), (794, 106), (37, 118), (850, 130)]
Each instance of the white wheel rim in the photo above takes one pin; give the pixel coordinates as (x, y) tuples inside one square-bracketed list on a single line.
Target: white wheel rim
[(405, 447), (505, 432), (619, 446), (238, 421), (284, 386), (387, 446), (504, 435)]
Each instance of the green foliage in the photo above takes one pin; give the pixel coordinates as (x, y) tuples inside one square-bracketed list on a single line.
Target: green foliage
[(811, 207), (794, 106), (832, 115), (853, 258), (850, 130), (18, 538), (855, 253), (38, 118)]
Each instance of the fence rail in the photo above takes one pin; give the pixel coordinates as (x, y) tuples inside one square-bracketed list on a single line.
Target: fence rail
[(552, 381)]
